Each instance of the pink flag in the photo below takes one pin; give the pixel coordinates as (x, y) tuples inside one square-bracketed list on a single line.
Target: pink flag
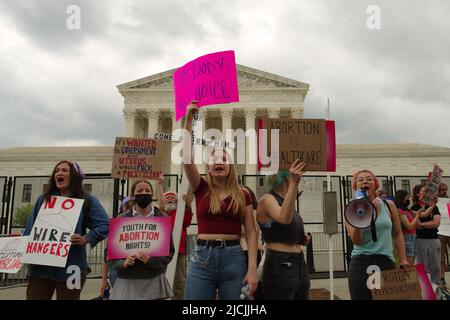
[(210, 79)]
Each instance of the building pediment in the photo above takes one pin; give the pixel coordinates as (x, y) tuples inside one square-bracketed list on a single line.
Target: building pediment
[(248, 78)]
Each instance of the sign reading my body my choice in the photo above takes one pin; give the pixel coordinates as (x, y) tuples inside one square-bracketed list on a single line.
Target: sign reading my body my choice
[(49, 240), (128, 236), (210, 79)]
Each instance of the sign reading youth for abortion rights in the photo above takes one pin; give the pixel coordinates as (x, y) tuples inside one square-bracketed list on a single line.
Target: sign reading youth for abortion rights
[(136, 158), (210, 79), (310, 140), (49, 241), (128, 236)]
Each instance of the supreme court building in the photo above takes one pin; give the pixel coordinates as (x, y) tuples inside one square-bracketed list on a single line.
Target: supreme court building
[(148, 108)]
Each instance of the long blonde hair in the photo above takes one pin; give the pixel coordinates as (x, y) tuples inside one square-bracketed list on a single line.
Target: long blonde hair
[(237, 196)]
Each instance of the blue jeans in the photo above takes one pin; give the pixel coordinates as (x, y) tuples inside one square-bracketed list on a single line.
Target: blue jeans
[(112, 276), (410, 244), (215, 268)]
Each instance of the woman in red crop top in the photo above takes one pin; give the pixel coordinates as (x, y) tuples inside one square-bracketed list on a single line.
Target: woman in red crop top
[(218, 264)]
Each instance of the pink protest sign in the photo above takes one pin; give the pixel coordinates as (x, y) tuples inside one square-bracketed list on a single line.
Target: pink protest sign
[(128, 236), (210, 79)]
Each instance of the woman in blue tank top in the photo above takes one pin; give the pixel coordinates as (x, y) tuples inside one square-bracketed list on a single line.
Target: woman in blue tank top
[(369, 255)]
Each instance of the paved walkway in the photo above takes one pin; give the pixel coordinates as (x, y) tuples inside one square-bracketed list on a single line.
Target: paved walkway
[(92, 289)]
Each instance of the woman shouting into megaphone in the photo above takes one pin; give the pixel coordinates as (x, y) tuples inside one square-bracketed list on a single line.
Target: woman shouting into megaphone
[(369, 251)]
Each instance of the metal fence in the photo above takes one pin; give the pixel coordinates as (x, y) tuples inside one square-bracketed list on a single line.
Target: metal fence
[(16, 193)]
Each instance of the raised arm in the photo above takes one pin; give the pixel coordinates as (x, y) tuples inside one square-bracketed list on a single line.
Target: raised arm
[(190, 168), (397, 233), (284, 214), (405, 222), (159, 183)]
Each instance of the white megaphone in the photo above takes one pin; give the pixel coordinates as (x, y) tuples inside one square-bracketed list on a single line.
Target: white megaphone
[(360, 213)]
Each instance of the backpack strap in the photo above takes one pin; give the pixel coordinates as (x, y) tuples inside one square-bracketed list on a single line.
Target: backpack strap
[(388, 207)]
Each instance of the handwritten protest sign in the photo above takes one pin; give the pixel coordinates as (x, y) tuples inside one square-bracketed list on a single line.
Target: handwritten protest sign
[(136, 158), (11, 253), (444, 208), (310, 140), (128, 236), (432, 185), (49, 240), (398, 284), (209, 79)]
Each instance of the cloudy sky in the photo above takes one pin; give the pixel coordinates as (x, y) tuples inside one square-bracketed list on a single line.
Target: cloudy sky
[(387, 85)]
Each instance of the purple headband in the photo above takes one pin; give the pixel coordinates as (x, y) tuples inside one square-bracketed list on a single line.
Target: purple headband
[(78, 170)]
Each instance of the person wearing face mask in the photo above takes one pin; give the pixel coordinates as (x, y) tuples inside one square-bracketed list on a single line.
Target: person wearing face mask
[(168, 201), (408, 219), (66, 181), (218, 264), (427, 245), (140, 277), (366, 251)]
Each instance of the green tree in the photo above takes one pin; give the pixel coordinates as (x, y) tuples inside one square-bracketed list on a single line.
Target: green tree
[(21, 216)]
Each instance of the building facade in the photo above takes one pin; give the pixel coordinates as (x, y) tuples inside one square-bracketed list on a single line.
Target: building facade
[(148, 109)]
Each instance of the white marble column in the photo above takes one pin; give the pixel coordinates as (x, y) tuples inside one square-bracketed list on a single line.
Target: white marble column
[(251, 146), (199, 132), (273, 112), (227, 116), (153, 121), (298, 111), (174, 168), (130, 122)]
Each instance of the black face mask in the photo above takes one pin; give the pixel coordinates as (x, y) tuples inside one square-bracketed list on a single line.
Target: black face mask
[(407, 203), (143, 200)]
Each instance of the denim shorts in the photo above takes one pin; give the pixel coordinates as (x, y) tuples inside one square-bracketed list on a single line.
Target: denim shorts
[(410, 244)]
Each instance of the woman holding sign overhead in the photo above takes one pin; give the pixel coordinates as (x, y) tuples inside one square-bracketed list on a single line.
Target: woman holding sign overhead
[(140, 277), (66, 181), (218, 263)]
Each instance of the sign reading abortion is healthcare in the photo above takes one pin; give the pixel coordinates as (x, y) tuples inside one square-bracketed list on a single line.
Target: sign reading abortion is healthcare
[(128, 236), (310, 140), (210, 79)]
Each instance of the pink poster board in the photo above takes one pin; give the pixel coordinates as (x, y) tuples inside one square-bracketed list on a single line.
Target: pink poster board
[(210, 79), (130, 235)]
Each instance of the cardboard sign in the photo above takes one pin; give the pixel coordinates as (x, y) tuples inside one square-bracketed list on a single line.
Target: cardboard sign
[(210, 79), (411, 283), (432, 185), (128, 236), (310, 140), (11, 253), (444, 208), (49, 241), (136, 158), (398, 284)]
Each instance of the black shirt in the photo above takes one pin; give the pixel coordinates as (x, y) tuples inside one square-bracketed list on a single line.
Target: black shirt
[(293, 233), (426, 233)]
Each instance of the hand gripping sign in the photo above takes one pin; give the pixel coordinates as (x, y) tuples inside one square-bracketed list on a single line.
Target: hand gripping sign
[(49, 241), (130, 235)]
